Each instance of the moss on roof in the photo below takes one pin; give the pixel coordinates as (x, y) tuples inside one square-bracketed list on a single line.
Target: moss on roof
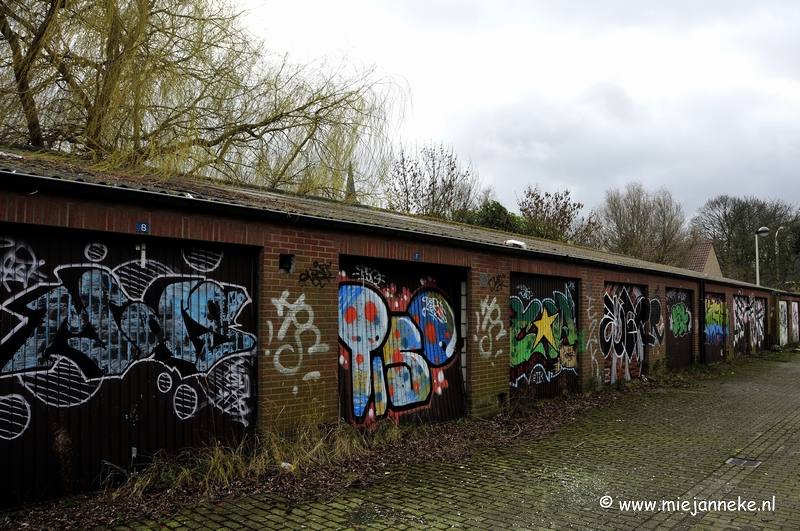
[(56, 167)]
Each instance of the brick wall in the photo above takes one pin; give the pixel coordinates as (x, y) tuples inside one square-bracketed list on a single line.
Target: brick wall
[(298, 352)]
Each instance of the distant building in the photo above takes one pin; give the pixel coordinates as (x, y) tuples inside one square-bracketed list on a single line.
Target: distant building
[(703, 259)]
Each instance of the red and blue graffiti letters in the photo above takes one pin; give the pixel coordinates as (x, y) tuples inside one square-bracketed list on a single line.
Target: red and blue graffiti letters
[(394, 353)]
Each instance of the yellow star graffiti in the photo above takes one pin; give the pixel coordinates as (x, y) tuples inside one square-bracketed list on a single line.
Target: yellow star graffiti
[(544, 327)]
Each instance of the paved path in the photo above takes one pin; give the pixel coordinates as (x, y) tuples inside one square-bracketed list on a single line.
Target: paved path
[(669, 448)]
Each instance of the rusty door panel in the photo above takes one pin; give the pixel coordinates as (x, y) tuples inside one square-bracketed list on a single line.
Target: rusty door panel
[(716, 327), (113, 348), (399, 341), (543, 335), (680, 334)]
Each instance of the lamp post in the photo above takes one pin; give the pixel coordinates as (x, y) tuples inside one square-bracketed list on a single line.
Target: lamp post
[(777, 262), (763, 231)]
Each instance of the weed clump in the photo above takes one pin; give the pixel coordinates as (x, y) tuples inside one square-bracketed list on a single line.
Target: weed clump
[(268, 453)]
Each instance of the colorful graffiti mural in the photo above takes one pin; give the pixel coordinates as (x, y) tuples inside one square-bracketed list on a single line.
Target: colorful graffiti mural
[(544, 334), (716, 327), (92, 322), (630, 323), (394, 346), (795, 323)]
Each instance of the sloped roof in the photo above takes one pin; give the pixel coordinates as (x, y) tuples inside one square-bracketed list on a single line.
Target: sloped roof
[(24, 170), (697, 261)]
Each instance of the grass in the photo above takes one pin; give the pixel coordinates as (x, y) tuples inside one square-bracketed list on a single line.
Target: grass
[(315, 445), (271, 451)]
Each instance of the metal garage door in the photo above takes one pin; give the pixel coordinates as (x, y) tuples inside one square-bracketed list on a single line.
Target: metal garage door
[(680, 335), (715, 327), (544, 334), (116, 347)]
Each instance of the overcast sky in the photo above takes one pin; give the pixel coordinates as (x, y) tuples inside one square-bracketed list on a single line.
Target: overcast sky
[(700, 97)]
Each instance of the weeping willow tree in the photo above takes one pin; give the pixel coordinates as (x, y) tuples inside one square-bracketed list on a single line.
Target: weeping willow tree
[(179, 86)]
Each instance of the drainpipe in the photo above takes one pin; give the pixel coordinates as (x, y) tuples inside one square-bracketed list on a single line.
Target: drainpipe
[(702, 322)]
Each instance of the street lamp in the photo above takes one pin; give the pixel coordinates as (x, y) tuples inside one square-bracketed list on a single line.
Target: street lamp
[(763, 231), (777, 262)]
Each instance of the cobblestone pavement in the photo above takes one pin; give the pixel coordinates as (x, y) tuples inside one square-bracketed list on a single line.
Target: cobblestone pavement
[(669, 448)]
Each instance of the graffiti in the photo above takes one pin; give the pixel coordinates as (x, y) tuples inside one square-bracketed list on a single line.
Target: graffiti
[(15, 416), (202, 260), (759, 321), (490, 328), (716, 320), (593, 343), (783, 323), (319, 274), (497, 282), (678, 310), (95, 252), (630, 323), (369, 274), (394, 353), (543, 337), (680, 320), (749, 318), (435, 309), (297, 315), (19, 264), (795, 323), (524, 292), (742, 314), (94, 323)]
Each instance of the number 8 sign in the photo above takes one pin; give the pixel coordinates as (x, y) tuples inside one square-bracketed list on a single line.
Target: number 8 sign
[(141, 226)]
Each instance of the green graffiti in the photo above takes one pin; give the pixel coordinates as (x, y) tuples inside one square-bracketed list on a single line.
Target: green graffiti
[(680, 320), (542, 326)]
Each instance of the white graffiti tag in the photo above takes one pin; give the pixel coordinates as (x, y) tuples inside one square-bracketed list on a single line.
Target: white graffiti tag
[(369, 274), (433, 308), (300, 315), (593, 343), (19, 264), (490, 328)]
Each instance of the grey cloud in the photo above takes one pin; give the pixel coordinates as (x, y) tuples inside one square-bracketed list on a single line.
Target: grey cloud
[(708, 145)]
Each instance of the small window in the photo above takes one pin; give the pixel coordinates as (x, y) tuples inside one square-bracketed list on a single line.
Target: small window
[(286, 263)]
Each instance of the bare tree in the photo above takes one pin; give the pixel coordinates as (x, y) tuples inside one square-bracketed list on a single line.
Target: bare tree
[(646, 225), (556, 217), (731, 223), (431, 181), (180, 86)]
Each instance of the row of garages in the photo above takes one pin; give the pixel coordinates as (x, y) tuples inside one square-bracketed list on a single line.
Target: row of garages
[(136, 321)]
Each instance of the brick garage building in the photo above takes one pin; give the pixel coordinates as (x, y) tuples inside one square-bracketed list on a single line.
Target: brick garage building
[(141, 315)]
